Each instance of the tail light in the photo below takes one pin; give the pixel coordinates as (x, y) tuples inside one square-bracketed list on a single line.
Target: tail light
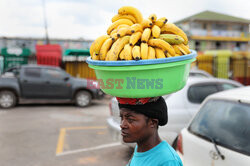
[(179, 144), (110, 108)]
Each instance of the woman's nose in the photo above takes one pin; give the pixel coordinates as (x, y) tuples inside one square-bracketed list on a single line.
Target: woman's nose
[(123, 124)]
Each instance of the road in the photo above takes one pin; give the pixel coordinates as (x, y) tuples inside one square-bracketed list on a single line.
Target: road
[(59, 135)]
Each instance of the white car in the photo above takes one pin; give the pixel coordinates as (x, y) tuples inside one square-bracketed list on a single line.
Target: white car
[(182, 105), (219, 133), (199, 73)]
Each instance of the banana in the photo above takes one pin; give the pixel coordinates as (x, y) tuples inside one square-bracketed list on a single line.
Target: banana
[(114, 31), (117, 23), (128, 52), (125, 16), (105, 47), (156, 31), (159, 53), (136, 28), (96, 46), (117, 47), (146, 35), (151, 53), (136, 52), (132, 11), (172, 28), (161, 22), (168, 55), (122, 55), (177, 49), (163, 45), (146, 23), (144, 51), (152, 17), (107, 56), (124, 31), (184, 49), (172, 39), (134, 38), (114, 36), (123, 26)]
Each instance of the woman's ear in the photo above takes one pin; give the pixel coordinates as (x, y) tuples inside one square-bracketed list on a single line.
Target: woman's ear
[(154, 123)]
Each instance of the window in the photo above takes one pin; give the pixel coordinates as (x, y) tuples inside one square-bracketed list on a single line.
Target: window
[(197, 93), (226, 122), (32, 72), (54, 74), (226, 86)]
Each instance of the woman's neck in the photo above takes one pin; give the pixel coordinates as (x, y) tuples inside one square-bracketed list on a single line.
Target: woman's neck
[(149, 143)]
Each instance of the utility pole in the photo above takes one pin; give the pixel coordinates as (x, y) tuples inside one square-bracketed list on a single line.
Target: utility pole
[(45, 23)]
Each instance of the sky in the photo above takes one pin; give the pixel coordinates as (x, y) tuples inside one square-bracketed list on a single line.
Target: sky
[(88, 19)]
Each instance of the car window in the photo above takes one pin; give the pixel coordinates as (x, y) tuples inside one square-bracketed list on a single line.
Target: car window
[(32, 72), (226, 122), (197, 75), (197, 93), (54, 74), (226, 86)]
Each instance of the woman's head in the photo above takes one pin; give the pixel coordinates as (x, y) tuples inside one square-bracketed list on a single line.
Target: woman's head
[(140, 119)]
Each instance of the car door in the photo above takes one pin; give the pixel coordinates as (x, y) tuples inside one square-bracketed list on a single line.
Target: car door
[(57, 84), (196, 93), (31, 83)]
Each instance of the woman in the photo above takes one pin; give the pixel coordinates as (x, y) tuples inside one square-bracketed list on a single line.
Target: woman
[(140, 119)]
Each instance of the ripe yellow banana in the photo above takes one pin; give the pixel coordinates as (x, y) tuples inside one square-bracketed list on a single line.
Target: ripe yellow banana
[(168, 55), (114, 31), (172, 28), (118, 46), (172, 39), (136, 28), (114, 36), (124, 31), (146, 35), (134, 38), (136, 52), (144, 51), (152, 17), (125, 16), (177, 49), (122, 55), (108, 56), (96, 46), (156, 31), (128, 52), (151, 53), (161, 21), (159, 53), (105, 47), (132, 11), (184, 49), (117, 23), (146, 23), (163, 45), (123, 26)]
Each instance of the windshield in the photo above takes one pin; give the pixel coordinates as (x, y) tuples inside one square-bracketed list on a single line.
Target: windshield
[(226, 122)]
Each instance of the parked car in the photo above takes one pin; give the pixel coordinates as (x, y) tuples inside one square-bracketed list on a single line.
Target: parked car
[(219, 134), (33, 82), (199, 73), (182, 105)]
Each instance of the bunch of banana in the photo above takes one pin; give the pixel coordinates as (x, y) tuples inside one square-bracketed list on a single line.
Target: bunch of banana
[(132, 37)]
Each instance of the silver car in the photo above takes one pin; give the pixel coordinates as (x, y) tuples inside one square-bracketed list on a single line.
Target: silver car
[(182, 105)]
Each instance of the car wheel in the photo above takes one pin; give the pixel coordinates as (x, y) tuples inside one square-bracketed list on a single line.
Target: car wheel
[(83, 98), (7, 99)]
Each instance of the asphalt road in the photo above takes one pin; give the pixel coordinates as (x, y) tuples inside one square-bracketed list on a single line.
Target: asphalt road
[(59, 135)]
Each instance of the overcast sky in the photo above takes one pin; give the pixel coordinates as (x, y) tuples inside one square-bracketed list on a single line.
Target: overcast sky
[(89, 19)]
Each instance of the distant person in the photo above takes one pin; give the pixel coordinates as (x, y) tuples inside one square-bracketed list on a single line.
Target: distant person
[(140, 119)]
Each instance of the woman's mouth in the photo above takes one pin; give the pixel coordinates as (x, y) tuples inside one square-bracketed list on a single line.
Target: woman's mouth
[(124, 134)]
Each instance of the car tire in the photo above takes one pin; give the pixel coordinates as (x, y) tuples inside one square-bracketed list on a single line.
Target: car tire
[(7, 99), (83, 98)]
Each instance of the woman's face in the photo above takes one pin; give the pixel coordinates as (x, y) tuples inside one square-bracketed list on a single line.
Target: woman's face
[(134, 126)]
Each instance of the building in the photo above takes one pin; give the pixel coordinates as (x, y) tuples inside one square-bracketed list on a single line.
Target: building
[(30, 43), (210, 30)]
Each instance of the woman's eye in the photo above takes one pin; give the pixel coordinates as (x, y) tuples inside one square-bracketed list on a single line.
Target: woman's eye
[(130, 120)]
